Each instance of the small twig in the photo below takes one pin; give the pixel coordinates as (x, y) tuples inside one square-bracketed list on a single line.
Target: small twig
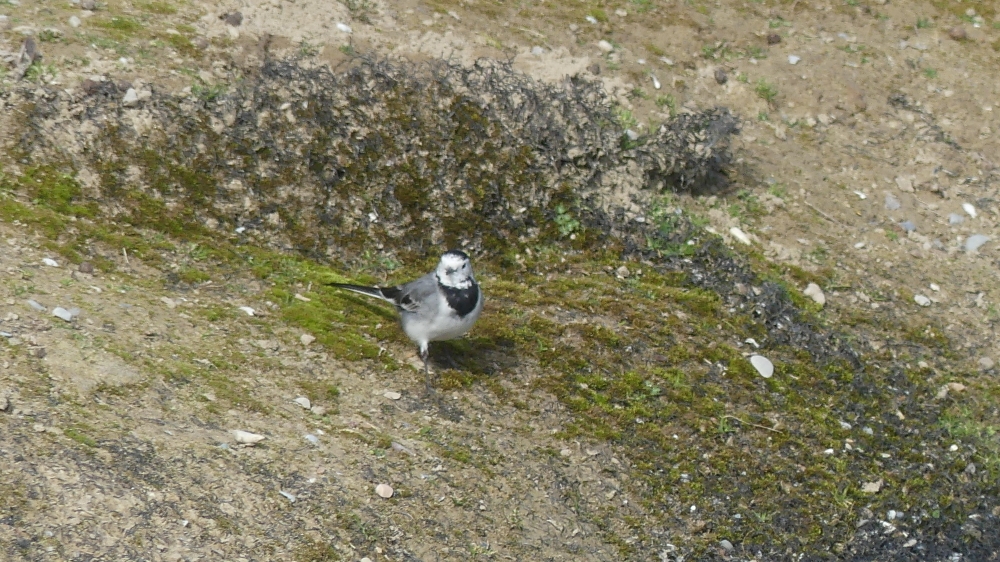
[(125, 253), (752, 424), (822, 214)]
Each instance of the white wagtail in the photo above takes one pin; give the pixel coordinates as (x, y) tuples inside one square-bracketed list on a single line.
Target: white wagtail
[(442, 305)]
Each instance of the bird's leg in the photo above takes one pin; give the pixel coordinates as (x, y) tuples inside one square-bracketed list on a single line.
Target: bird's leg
[(424, 356)]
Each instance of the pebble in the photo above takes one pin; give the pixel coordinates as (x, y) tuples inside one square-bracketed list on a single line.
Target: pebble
[(739, 235), (50, 262), (537, 51), (67, 315), (891, 203), (656, 83), (955, 218), (632, 135), (318, 410), (666, 61), (922, 300), (872, 487), (908, 226), (86, 267), (970, 209), (234, 19), (773, 38), (344, 27), (621, 13), (307, 339), (384, 490), (304, 402), (574, 28), (986, 363), (958, 33), (794, 59), (247, 438), (720, 76), (74, 21), (763, 365), (726, 544), (131, 98), (248, 310), (904, 184), (392, 395), (975, 241), (605, 46), (312, 438), (935, 287), (814, 292), (861, 195), (591, 19), (89, 5), (35, 305), (290, 497)]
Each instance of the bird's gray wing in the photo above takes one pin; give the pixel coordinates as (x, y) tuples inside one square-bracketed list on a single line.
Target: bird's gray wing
[(415, 295)]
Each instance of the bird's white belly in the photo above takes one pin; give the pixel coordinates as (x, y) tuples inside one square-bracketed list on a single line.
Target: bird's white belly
[(445, 325)]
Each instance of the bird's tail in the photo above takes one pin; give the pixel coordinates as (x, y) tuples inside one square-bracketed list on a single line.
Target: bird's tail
[(376, 292)]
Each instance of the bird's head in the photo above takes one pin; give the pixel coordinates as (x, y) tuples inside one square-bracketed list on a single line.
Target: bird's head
[(455, 270)]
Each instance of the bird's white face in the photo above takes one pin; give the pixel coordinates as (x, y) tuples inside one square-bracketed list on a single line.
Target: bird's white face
[(455, 270)]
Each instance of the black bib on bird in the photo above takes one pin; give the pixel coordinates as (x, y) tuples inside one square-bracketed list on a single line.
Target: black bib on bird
[(463, 301)]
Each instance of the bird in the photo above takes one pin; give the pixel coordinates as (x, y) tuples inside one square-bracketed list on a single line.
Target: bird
[(441, 305)]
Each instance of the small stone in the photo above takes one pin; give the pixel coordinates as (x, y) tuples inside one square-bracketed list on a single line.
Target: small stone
[(922, 300), (247, 438), (955, 218), (605, 46), (74, 21), (345, 28), (312, 438), (739, 235), (958, 33), (773, 38), (248, 310), (985, 363), (50, 262), (949, 387), (289, 497), (392, 395), (566, 452), (763, 365), (307, 339), (908, 226), (726, 544), (970, 209), (67, 315), (904, 184), (623, 272), (86, 267), (591, 19), (131, 98), (975, 241), (233, 18), (171, 303), (872, 487), (90, 5), (454, 15), (794, 59), (304, 402), (384, 491), (814, 292), (656, 82), (720, 76), (537, 51), (574, 28), (621, 13), (891, 203), (34, 304), (318, 410)]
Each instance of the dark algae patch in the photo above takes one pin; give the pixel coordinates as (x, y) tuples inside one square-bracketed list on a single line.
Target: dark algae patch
[(302, 175)]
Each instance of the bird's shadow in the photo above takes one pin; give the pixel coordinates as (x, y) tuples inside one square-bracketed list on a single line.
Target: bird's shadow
[(466, 361)]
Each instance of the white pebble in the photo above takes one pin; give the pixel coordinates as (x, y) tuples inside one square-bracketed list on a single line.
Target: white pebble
[(861, 195), (131, 98), (288, 496), (922, 300), (792, 59), (344, 27), (74, 21), (64, 314), (537, 51), (392, 395), (50, 262), (975, 241), (605, 46), (34, 304), (969, 208), (312, 439), (935, 287), (859, 245), (656, 83), (814, 292), (739, 235), (248, 310), (247, 438), (763, 365), (304, 402), (384, 490), (307, 339), (591, 19)]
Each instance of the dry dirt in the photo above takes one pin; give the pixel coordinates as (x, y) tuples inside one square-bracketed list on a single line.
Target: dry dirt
[(887, 101)]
